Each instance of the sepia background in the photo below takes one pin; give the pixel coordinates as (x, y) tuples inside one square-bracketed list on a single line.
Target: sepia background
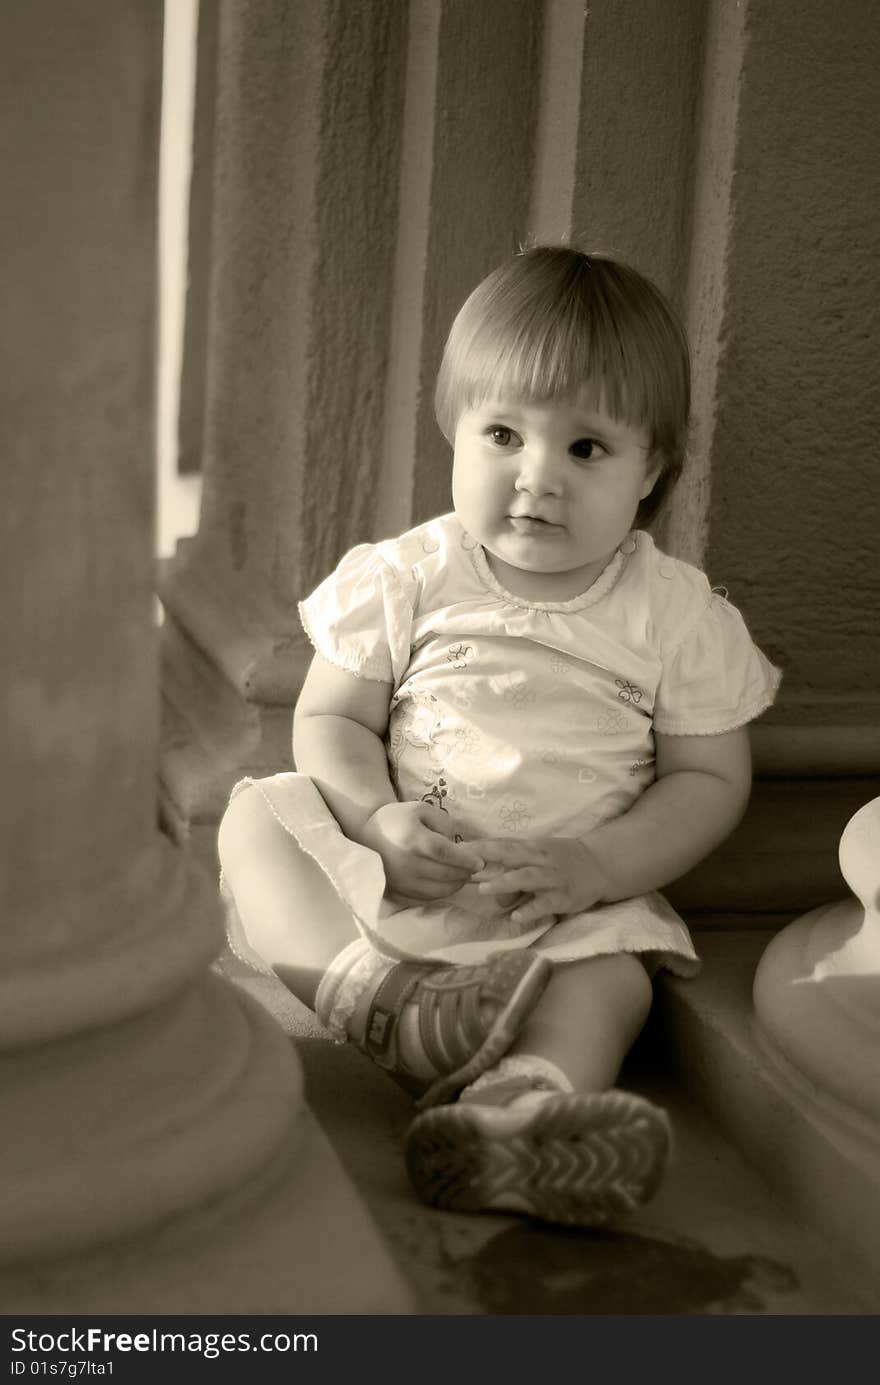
[(232, 239)]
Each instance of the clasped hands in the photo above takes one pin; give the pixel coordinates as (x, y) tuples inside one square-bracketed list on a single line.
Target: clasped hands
[(544, 875)]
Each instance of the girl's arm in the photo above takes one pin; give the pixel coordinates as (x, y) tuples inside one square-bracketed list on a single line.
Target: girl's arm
[(338, 729), (699, 795), (338, 726)]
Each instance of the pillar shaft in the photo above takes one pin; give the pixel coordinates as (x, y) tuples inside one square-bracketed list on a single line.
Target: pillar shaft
[(305, 166), (134, 1083), (303, 214)]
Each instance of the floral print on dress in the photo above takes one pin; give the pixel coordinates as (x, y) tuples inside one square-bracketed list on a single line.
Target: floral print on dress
[(639, 764), (514, 815), (467, 741), (560, 665), (612, 722), (518, 693), (460, 655), (628, 691), (436, 795), (417, 726)]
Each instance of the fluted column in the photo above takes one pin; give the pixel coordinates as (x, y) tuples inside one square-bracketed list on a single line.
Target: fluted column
[(301, 237), (817, 1004), (467, 171), (135, 1084)]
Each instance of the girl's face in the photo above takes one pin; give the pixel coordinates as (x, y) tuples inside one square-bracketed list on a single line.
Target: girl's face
[(549, 490)]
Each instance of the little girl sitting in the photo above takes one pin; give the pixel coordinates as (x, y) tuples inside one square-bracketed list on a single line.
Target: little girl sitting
[(521, 720)]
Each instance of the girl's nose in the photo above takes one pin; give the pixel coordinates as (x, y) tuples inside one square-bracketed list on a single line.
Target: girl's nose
[(539, 473)]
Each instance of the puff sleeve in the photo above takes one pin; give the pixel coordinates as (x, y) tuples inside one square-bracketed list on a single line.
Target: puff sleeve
[(360, 617), (716, 679)]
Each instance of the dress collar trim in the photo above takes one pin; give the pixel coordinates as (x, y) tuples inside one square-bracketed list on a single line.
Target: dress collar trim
[(604, 583)]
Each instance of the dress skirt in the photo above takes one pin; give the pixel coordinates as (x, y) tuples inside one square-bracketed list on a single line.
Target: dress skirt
[(467, 926)]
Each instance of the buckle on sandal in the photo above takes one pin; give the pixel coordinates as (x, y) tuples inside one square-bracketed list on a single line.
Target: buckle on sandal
[(377, 1037)]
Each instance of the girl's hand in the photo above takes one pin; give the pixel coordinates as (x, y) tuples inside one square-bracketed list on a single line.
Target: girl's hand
[(420, 858), (559, 875)]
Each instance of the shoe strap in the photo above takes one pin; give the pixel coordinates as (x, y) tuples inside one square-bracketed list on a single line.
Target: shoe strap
[(386, 1007)]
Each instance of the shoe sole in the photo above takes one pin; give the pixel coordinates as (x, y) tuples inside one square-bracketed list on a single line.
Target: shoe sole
[(505, 1027), (575, 1159)]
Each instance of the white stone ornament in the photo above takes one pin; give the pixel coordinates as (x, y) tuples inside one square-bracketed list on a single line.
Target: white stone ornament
[(817, 1003)]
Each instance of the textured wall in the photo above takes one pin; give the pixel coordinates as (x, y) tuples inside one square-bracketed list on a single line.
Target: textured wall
[(795, 507), (482, 151), (304, 213), (636, 136)]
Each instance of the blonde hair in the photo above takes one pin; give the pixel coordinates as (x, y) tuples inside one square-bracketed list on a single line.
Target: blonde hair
[(553, 320)]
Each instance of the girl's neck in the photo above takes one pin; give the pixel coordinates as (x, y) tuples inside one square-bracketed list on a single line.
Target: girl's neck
[(545, 586)]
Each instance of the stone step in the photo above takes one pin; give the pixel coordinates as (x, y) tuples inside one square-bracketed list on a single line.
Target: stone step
[(301, 1242), (783, 1127), (716, 1240)]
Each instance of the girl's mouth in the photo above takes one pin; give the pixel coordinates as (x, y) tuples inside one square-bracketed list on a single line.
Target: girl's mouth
[(532, 524)]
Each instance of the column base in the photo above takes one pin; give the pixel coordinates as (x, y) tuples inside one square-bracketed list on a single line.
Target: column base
[(298, 1241), (225, 712), (816, 1164), (112, 1130)]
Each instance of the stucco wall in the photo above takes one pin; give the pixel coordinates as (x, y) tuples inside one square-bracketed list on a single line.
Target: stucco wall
[(795, 508), (481, 158), (637, 133)]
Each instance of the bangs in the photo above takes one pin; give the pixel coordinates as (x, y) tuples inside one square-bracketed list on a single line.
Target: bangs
[(553, 323), (560, 361)]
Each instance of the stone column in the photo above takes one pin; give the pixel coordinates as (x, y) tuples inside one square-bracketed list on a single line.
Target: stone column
[(135, 1084), (301, 239), (469, 147)]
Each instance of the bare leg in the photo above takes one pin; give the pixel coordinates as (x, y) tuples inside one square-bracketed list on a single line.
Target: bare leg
[(290, 911), (578, 1156), (588, 1018)]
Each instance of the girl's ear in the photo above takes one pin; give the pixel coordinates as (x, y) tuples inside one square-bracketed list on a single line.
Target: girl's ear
[(652, 476)]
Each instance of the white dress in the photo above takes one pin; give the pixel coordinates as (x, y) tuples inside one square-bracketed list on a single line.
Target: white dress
[(520, 718)]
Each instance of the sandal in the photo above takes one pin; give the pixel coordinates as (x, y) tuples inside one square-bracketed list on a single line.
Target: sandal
[(458, 1039), (573, 1158)]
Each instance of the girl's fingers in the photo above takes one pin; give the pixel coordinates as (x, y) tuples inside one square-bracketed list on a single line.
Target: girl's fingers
[(458, 854), (537, 908), (506, 851), (435, 871), (488, 873), (528, 878)]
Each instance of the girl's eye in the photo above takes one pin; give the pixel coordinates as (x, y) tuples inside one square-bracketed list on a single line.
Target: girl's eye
[(501, 436), (586, 449)]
